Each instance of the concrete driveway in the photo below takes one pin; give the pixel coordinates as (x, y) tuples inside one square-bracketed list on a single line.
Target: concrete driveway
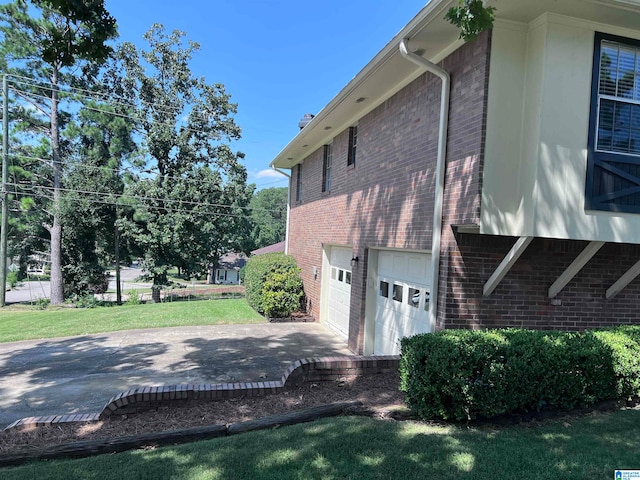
[(80, 374)]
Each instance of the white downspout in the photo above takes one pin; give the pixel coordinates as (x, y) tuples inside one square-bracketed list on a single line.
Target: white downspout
[(286, 234), (436, 235)]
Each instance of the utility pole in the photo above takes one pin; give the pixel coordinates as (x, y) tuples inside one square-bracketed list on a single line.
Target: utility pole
[(4, 224)]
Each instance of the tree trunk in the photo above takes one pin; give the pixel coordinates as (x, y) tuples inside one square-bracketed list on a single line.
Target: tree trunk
[(155, 293), (57, 285)]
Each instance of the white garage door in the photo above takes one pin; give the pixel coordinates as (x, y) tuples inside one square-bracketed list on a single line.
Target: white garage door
[(339, 290), (402, 302)]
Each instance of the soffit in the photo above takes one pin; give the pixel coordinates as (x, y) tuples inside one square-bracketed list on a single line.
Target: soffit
[(433, 38)]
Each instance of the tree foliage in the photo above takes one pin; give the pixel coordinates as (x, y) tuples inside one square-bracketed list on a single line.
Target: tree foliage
[(472, 17), (191, 195), (42, 41), (268, 216), (100, 143)]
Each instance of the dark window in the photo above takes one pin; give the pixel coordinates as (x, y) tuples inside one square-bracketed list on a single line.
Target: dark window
[(384, 289), (353, 144), (347, 278), (299, 184), (613, 168), (397, 292), (414, 297), (326, 168)]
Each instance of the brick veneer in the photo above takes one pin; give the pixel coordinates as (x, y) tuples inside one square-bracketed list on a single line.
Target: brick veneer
[(386, 199), (521, 298), (148, 398)]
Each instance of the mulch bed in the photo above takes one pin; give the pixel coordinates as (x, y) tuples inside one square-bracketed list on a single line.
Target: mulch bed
[(378, 393)]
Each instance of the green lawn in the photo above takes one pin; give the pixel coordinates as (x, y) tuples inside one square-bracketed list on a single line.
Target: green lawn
[(590, 448), (25, 324)]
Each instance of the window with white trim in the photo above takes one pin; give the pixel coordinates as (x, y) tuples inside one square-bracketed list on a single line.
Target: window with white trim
[(613, 158), (353, 144), (299, 183), (327, 158)]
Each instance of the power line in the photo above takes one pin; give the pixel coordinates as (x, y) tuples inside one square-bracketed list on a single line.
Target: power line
[(128, 170), (164, 209), (108, 98)]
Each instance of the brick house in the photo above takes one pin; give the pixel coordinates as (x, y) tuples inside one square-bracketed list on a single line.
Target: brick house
[(491, 183)]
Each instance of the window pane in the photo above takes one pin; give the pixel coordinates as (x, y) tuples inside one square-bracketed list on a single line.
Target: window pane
[(634, 142), (397, 293), (333, 273), (605, 125), (347, 278), (608, 68), (621, 127), (414, 297), (340, 275), (626, 72), (384, 289), (427, 296), (637, 85)]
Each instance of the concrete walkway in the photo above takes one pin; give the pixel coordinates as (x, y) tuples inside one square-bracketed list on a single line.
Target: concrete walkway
[(80, 374)]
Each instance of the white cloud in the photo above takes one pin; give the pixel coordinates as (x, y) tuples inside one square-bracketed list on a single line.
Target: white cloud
[(268, 173)]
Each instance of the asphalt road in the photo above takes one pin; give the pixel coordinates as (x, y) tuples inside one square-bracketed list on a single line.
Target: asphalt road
[(81, 374), (31, 291)]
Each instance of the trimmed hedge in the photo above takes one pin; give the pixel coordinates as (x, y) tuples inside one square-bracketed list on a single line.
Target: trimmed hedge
[(273, 284), (467, 374)]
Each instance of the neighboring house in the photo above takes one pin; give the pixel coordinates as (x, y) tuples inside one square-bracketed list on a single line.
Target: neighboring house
[(518, 207), (227, 270), (276, 247)]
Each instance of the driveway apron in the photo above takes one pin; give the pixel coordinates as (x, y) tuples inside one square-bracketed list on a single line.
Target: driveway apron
[(81, 374)]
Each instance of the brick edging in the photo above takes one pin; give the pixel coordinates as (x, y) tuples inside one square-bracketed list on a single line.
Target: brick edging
[(142, 399)]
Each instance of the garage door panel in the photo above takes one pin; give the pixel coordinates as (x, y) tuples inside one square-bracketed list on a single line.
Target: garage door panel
[(402, 307), (339, 285)]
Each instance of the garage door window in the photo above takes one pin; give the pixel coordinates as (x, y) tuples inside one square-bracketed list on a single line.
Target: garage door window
[(426, 300), (347, 278), (384, 289), (397, 293), (414, 297)]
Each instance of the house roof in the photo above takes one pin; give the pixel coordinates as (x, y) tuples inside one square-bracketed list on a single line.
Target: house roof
[(434, 38), (232, 261), (276, 247)]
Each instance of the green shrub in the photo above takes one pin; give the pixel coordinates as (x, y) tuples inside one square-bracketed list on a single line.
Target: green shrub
[(464, 374), (273, 284), (133, 298), (12, 279), (87, 301)]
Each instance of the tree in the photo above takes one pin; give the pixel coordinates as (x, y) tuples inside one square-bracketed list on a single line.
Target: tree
[(191, 195), (472, 17), (100, 142), (42, 42), (268, 216)]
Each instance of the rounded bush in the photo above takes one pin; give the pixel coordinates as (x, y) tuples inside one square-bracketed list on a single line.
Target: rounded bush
[(464, 374), (273, 284)]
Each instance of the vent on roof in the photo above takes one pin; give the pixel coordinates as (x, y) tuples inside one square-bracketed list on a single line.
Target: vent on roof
[(305, 119)]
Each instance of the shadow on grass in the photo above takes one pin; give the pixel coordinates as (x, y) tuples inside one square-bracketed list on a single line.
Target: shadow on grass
[(349, 447), (80, 374)]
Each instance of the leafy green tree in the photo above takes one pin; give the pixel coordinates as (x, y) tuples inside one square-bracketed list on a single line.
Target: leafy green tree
[(472, 17), (191, 194), (43, 41), (100, 143), (268, 216)]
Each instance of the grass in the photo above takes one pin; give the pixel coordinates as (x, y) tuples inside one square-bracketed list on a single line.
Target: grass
[(25, 324), (590, 447)]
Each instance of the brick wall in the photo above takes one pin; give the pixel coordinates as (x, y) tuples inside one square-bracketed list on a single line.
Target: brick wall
[(463, 179), (386, 199), (521, 300)]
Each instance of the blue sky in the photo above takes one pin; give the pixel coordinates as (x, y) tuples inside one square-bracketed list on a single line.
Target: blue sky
[(279, 59)]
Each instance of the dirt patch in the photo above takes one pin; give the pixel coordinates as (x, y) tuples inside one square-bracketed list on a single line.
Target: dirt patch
[(378, 392)]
